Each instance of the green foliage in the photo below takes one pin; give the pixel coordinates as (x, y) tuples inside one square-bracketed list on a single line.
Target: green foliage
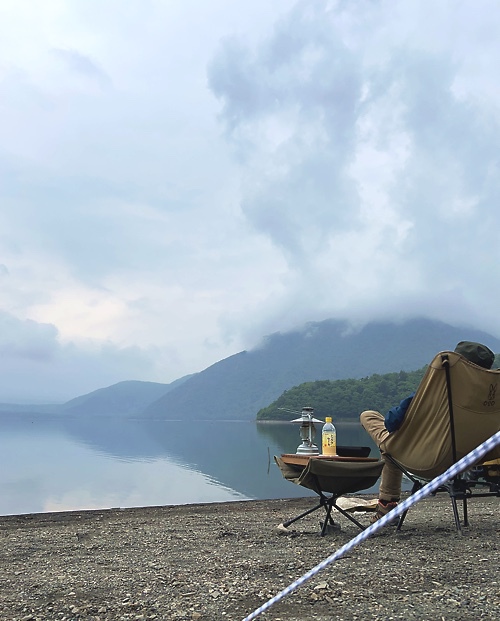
[(237, 387), (344, 399)]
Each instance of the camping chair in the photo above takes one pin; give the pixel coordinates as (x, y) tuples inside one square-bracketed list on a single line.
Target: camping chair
[(453, 411), (486, 473), (333, 476)]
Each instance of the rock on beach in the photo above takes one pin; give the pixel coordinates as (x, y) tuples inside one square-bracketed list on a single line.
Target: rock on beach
[(221, 561)]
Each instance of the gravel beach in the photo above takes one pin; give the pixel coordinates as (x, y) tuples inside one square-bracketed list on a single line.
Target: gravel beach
[(221, 561)]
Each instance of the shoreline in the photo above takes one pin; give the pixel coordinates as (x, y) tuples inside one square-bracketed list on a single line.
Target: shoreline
[(213, 561)]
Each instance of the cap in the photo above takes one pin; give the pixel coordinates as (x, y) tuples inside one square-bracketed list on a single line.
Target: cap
[(476, 353)]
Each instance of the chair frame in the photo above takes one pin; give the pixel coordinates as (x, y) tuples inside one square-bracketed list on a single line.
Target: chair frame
[(460, 488), (350, 476), (329, 503)]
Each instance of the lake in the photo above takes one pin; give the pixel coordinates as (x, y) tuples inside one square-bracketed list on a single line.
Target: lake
[(55, 464)]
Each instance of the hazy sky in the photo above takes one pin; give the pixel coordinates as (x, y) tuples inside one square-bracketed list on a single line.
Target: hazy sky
[(179, 178)]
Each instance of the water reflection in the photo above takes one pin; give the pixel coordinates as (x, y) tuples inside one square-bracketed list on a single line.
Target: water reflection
[(60, 464)]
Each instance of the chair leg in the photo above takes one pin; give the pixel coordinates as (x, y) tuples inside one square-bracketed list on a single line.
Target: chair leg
[(315, 508), (332, 502), (455, 514), (416, 486), (401, 520), (466, 515), (347, 515), (328, 519), (328, 504)]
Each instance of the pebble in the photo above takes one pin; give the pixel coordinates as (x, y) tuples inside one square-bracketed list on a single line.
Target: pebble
[(156, 564)]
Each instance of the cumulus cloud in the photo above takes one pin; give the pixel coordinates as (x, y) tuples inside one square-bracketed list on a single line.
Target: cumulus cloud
[(26, 339), (81, 65), (179, 179), (36, 366), (362, 159)]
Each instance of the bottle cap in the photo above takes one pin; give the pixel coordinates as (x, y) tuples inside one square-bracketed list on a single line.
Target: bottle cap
[(328, 419)]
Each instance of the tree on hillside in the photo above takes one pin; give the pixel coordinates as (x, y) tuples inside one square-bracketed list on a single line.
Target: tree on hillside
[(344, 399)]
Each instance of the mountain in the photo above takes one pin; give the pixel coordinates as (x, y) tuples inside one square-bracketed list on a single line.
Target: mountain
[(125, 399), (237, 387)]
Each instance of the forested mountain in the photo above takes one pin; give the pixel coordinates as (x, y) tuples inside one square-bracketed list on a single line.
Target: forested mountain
[(344, 399), (122, 399), (125, 400), (239, 386)]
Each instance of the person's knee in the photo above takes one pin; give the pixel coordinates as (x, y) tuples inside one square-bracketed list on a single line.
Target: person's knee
[(363, 415), (367, 415)]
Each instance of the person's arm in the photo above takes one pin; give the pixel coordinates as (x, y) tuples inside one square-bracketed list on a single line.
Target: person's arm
[(396, 415)]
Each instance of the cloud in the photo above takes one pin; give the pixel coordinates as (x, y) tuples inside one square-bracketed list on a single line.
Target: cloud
[(26, 339), (36, 365), (361, 159), (179, 179), (82, 66)]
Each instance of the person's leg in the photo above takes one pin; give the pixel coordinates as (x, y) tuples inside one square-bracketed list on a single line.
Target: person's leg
[(374, 424), (392, 477)]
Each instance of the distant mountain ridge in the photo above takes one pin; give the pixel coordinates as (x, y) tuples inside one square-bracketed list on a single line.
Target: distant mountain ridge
[(237, 387), (126, 399), (122, 399)]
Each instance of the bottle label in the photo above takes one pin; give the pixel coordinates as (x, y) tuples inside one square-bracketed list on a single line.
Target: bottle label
[(329, 443)]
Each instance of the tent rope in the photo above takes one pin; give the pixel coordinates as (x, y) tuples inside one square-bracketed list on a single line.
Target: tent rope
[(465, 463)]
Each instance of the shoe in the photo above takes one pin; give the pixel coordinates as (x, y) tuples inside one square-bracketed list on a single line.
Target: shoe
[(383, 508)]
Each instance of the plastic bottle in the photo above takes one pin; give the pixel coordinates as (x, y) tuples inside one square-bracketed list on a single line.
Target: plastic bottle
[(329, 437)]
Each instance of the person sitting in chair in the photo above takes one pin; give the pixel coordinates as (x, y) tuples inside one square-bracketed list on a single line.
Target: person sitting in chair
[(379, 427)]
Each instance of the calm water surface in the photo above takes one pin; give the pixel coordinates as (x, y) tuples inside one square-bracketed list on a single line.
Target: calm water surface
[(49, 464)]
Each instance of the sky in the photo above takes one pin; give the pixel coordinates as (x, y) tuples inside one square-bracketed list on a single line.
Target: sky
[(180, 178)]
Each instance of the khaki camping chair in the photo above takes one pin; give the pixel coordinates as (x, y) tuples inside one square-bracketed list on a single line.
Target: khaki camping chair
[(455, 409), (331, 477)]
